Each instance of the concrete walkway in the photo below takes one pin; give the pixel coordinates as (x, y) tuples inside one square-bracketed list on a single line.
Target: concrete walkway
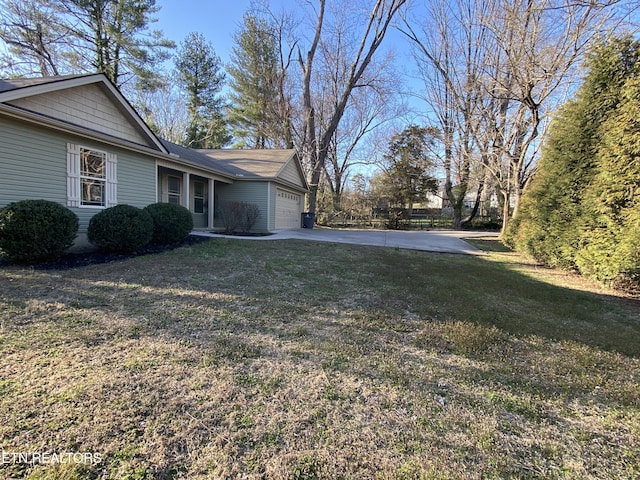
[(443, 241)]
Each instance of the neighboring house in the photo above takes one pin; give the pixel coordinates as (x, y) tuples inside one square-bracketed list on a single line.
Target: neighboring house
[(76, 140)]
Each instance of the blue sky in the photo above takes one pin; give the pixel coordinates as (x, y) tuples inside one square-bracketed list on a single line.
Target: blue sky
[(217, 20)]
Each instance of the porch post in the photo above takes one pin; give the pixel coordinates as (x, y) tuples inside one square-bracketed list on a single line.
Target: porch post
[(186, 180), (211, 201)]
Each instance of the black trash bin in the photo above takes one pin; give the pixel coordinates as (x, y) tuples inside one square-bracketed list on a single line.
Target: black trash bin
[(307, 220)]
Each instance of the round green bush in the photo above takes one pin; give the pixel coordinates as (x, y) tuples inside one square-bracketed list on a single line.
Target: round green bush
[(122, 229), (171, 222), (33, 231)]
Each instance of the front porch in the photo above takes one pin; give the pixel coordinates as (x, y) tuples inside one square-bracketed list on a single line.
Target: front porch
[(193, 190)]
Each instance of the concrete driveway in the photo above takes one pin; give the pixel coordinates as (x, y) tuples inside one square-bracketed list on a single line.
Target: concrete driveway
[(443, 241)]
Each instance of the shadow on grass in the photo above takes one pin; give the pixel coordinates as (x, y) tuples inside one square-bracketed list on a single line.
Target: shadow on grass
[(287, 278), (498, 294)]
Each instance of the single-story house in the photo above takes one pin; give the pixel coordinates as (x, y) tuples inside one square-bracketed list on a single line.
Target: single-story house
[(76, 140)]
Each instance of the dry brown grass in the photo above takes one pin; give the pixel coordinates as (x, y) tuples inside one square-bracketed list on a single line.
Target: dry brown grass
[(297, 360)]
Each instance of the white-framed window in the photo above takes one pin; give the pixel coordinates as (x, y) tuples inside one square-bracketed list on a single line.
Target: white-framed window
[(91, 177), (199, 198), (174, 189)]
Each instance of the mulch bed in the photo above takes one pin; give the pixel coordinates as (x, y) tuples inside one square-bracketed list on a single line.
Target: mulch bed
[(74, 260)]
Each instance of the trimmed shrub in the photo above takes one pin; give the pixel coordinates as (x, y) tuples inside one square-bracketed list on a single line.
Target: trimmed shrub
[(171, 222), (122, 229), (33, 231)]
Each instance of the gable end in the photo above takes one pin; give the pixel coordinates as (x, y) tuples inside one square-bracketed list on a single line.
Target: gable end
[(87, 106)]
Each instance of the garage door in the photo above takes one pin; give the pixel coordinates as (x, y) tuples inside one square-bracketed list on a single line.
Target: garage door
[(288, 210)]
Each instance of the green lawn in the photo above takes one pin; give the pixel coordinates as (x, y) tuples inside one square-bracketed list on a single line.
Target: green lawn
[(291, 359)]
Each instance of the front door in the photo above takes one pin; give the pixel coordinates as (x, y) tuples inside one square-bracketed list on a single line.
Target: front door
[(200, 203)]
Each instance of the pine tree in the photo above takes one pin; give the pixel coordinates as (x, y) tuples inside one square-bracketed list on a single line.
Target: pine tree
[(51, 37), (255, 72), (409, 174), (200, 74)]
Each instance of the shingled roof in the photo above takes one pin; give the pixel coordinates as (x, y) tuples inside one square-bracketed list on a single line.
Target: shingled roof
[(263, 164), (197, 158)]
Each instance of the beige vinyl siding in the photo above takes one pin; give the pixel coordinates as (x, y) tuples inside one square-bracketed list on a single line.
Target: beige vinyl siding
[(87, 106), (245, 191), (33, 165), (290, 173)]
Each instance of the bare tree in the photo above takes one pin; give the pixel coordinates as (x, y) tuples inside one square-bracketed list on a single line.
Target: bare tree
[(450, 45), (371, 105), (539, 44), (164, 109), (317, 136), (493, 70), (368, 110)]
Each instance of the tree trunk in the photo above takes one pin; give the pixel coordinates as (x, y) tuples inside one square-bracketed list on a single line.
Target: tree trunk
[(505, 211), (319, 143), (476, 205)]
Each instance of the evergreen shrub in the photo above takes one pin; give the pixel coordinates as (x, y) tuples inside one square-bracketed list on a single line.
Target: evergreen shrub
[(33, 231), (171, 222), (121, 229), (581, 210)]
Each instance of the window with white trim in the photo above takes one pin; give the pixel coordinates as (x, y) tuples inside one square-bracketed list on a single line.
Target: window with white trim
[(91, 177), (174, 189)]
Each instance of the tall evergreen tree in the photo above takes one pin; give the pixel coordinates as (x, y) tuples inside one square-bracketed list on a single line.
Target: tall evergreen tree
[(610, 246), (30, 29), (200, 74), (113, 37), (255, 72)]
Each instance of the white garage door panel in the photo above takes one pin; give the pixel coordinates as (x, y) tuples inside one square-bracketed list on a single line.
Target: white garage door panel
[(288, 210)]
